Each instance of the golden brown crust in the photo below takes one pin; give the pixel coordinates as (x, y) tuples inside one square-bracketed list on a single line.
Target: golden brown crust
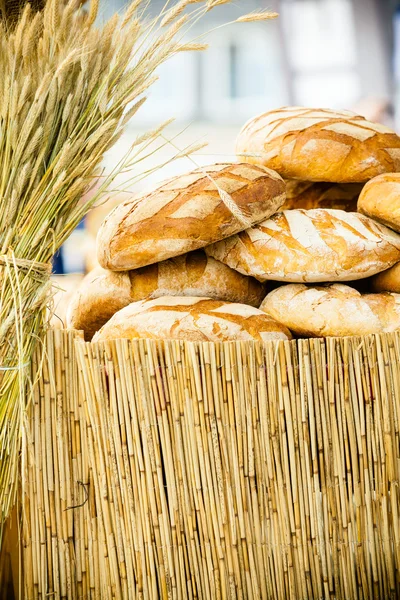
[(191, 319), (103, 292), (332, 310), (387, 281), (319, 145), (186, 213), (380, 199), (311, 245), (100, 295), (195, 274), (309, 195)]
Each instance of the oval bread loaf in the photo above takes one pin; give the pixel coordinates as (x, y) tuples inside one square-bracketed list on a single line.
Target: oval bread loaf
[(319, 145), (191, 319), (187, 213), (309, 195), (387, 281), (380, 199), (311, 245), (333, 310), (103, 293)]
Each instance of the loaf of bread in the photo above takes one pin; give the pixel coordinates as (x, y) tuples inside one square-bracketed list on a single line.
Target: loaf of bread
[(319, 145), (192, 319), (103, 292), (332, 310), (187, 213), (311, 245), (309, 195), (380, 199), (387, 281)]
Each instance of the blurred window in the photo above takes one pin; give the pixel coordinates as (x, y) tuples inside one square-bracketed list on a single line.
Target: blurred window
[(241, 73), (322, 51), (175, 92), (320, 33)]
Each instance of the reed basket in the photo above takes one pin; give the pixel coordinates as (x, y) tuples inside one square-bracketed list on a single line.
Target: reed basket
[(234, 470)]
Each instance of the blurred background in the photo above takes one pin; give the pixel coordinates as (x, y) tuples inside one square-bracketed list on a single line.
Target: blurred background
[(319, 53)]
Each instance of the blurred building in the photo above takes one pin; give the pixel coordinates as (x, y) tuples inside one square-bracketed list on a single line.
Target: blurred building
[(321, 53)]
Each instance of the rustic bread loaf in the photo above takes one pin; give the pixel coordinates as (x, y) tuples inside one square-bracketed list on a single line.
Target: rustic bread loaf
[(311, 245), (387, 281), (192, 319), (187, 213), (100, 295), (103, 293), (309, 195), (333, 310), (319, 145), (380, 199)]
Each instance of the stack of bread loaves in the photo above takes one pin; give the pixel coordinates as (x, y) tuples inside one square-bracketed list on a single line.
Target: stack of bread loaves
[(192, 260), (156, 279)]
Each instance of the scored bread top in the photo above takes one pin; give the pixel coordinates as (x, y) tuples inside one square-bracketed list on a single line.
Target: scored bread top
[(103, 293), (332, 310), (191, 319), (319, 145), (380, 199), (309, 195), (311, 245), (186, 213)]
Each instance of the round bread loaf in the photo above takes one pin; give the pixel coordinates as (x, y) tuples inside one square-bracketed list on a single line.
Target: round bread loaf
[(387, 281), (191, 319), (380, 199), (319, 145), (187, 213), (311, 245), (103, 293), (309, 195), (332, 310)]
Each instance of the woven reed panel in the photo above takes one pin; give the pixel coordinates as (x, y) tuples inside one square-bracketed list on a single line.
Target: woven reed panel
[(237, 470), (246, 470), (60, 547)]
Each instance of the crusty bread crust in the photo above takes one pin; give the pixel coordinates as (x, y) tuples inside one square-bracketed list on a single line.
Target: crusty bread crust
[(387, 281), (309, 195), (100, 295), (319, 145), (103, 293), (186, 213), (318, 245), (380, 200), (333, 310), (192, 319)]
